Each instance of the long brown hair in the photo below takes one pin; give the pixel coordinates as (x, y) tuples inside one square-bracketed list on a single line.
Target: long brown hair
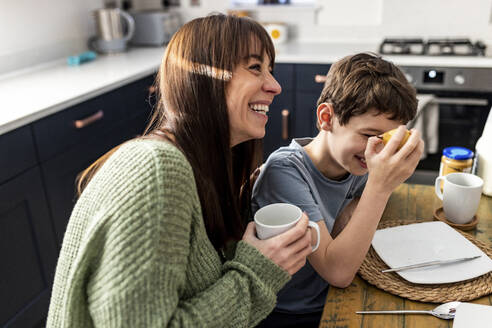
[(192, 110)]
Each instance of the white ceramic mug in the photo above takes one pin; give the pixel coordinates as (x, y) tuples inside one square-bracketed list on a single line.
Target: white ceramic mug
[(274, 219), (461, 195)]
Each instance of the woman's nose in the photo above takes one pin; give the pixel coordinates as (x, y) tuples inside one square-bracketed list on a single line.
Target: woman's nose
[(271, 85)]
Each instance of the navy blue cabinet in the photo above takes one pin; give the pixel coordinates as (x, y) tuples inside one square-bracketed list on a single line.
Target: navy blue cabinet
[(280, 125), (27, 251), (39, 164), (308, 89), (293, 112), (69, 149), (60, 173), (17, 152), (305, 125)]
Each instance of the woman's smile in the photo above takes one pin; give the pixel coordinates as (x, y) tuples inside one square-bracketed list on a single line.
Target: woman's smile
[(259, 108)]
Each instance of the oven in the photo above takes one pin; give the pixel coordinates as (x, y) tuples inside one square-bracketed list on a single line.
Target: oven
[(463, 95), (464, 98)]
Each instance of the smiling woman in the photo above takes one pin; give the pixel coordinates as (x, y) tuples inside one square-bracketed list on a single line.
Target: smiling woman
[(158, 236)]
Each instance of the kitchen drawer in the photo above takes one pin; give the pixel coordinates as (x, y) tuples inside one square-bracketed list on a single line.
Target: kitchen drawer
[(305, 77), (17, 152), (284, 74), (59, 132)]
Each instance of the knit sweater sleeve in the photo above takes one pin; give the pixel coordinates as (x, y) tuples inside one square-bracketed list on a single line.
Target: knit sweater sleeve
[(140, 276)]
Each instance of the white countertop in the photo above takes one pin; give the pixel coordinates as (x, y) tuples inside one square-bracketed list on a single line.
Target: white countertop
[(36, 93), (29, 95)]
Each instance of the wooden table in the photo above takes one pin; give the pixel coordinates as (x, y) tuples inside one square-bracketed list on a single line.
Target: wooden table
[(408, 202)]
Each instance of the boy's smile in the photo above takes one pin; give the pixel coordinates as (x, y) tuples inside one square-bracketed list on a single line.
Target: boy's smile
[(347, 143), (339, 149)]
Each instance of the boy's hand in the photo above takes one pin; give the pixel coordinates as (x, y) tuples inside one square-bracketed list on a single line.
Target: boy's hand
[(389, 167)]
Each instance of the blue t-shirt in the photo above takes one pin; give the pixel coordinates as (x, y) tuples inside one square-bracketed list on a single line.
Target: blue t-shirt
[(289, 176)]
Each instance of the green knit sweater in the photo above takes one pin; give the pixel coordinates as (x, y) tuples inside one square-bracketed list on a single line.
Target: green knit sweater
[(136, 253)]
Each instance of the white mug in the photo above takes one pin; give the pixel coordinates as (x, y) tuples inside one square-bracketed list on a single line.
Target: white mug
[(277, 218), (460, 196)]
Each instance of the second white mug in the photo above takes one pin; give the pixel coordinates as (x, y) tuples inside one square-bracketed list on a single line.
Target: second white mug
[(461, 195)]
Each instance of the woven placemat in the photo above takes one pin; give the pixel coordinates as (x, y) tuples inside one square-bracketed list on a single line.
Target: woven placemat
[(370, 271)]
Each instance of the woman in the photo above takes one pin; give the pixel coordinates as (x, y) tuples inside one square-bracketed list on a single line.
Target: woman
[(157, 237)]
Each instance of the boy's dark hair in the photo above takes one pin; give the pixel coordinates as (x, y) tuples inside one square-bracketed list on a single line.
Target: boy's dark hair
[(358, 83)]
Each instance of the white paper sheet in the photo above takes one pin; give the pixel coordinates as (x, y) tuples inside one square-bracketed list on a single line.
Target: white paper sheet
[(469, 315)]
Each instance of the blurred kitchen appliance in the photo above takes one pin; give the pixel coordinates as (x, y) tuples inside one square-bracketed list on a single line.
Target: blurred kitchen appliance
[(395, 46), (455, 47), (277, 31), (432, 47), (154, 27), (463, 94), (110, 36)]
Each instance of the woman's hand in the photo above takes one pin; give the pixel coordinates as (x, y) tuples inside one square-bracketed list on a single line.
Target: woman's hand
[(389, 167), (288, 250)]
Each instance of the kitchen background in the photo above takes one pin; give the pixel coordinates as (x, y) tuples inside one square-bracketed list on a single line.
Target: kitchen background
[(56, 119), (33, 32)]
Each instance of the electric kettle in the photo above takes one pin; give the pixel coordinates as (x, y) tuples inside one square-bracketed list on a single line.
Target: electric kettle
[(110, 36)]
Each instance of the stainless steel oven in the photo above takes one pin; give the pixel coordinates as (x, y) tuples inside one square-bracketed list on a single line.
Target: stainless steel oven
[(463, 94)]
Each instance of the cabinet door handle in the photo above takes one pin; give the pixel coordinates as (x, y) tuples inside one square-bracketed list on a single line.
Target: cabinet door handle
[(285, 124), (82, 123), (318, 78)]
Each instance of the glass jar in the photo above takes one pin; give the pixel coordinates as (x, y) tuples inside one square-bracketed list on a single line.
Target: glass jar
[(456, 159)]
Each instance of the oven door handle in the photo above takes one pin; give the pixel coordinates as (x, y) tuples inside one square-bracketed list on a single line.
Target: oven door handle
[(462, 101)]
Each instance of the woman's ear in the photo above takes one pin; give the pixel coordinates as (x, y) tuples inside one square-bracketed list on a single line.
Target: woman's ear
[(325, 116)]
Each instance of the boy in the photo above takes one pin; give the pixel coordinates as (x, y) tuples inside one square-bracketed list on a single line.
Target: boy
[(363, 97)]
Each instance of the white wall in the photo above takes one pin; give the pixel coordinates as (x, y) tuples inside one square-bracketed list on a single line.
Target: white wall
[(37, 31), (424, 18), (369, 20)]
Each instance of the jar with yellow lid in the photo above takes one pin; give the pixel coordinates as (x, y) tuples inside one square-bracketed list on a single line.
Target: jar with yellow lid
[(456, 159)]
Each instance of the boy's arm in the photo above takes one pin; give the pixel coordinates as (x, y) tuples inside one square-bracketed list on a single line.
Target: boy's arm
[(344, 217), (338, 260)]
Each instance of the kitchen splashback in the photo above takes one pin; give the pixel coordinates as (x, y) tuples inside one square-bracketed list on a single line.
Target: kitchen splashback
[(33, 32)]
